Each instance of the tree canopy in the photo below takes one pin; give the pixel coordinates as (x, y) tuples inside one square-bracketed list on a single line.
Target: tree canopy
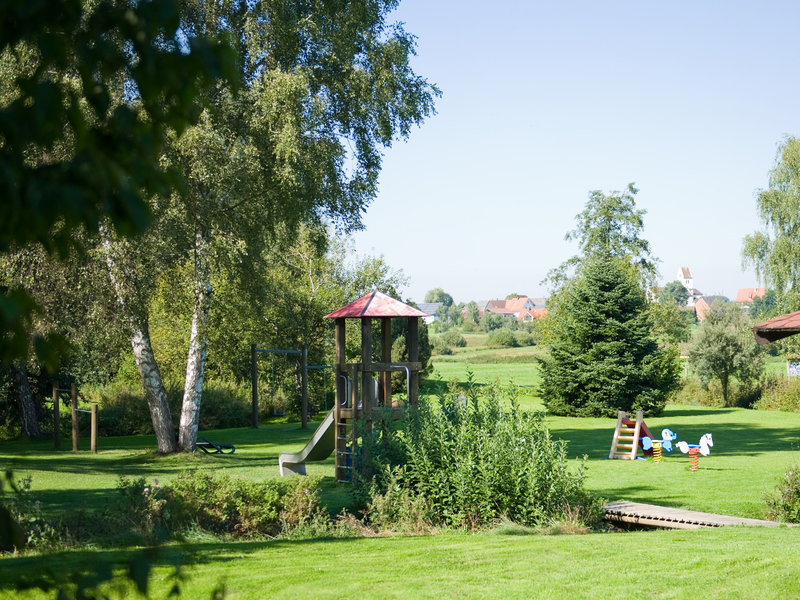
[(725, 348), (610, 225), (72, 154), (603, 356), (774, 251), (674, 293)]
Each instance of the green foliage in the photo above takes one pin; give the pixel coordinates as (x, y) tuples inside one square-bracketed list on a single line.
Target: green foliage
[(784, 503), (724, 347), (775, 250), (674, 293), (75, 151), (502, 337), (220, 505), (764, 307), (603, 356), (123, 408), (453, 338), (670, 324), (491, 321), (471, 313), (439, 295), (779, 394), (610, 225), (467, 461)]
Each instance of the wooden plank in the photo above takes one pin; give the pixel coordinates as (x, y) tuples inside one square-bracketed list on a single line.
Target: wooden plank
[(665, 517)]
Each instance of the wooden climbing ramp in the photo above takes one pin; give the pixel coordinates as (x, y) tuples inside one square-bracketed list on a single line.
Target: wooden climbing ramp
[(650, 515)]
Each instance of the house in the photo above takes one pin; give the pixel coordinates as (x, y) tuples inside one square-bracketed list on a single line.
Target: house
[(429, 308), (703, 305), (521, 308), (686, 278), (749, 294)]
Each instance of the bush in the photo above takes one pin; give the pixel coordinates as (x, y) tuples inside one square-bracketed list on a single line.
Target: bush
[(502, 337), (221, 505), (469, 462), (524, 339), (123, 407), (454, 339), (440, 347), (779, 394), (784, 503)]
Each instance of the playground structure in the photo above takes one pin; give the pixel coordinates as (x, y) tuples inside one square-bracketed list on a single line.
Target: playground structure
[(628, 436), (357, 396)]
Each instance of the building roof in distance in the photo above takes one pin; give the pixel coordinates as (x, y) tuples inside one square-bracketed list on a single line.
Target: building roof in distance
[(375, 304)]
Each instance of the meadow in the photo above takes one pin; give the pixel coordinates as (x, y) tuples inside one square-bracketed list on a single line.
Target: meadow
[(751, 452)]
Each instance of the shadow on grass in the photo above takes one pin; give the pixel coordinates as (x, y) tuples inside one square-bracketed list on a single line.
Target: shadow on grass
[(730, 439)]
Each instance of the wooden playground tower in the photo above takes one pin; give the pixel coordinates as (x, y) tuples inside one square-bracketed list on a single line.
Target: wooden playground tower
[(357, 395)]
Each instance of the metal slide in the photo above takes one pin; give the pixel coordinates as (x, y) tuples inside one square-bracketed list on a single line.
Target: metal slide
[(319, 447)]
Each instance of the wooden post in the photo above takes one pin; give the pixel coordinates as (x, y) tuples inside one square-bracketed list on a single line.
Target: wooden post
[(340, 398), (367, 391), (367, 386), (413, 356), (74, 404), (94, 429), (254, 385), (56, 419), (304, 388), (386, 356)]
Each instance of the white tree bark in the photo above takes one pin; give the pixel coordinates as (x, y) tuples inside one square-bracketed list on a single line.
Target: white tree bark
[(196, 362), (139, 332)]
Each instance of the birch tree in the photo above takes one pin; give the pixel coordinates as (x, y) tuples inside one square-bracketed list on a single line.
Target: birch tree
[(323, 87)]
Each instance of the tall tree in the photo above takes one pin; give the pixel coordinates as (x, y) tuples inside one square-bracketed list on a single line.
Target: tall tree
[(603, 356), (323, 87), (775, 250), (609, 225), (439, 295), (725, 348), (69, 156)]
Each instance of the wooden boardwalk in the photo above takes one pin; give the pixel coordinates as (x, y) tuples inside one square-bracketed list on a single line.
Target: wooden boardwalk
[(650, 515)]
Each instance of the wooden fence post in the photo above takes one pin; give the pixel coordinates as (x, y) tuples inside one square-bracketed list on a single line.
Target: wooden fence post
[(56, 419), (74, 403), (94, 429), (254, 385)]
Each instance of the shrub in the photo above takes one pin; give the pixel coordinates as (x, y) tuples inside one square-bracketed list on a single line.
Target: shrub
[(784, 503), (779, 394), (524, 339), (221, 505), (454, 339), (502, 337), (123, 408), (469, 461), (440, 347)]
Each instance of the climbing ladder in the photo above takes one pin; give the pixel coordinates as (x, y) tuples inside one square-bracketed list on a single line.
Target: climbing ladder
[(345, 450), (626, 436)]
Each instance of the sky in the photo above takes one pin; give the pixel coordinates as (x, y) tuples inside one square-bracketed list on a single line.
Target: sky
[(543, 102)]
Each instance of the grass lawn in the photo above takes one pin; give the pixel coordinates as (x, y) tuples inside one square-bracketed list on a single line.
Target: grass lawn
[(751, 452)]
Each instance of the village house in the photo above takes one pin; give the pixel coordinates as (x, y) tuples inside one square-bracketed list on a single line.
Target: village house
[(522, 308)]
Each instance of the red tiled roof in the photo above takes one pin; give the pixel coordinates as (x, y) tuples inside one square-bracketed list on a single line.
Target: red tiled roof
[(701, 308), (748, 294), (777, 328), (376, 304)]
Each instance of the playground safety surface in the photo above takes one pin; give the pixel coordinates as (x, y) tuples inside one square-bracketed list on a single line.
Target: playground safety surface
[(650, 515)]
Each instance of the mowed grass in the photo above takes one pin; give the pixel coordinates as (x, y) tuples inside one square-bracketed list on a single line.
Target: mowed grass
[(751, 452)]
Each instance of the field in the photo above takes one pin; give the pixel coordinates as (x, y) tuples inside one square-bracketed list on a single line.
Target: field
[(751, 452)]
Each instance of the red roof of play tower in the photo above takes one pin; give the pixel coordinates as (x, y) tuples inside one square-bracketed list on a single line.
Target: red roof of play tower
[(376, 304)]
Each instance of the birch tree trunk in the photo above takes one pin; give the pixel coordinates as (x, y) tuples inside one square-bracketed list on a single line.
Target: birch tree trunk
[(27, 408), (139, 332), (196, 362)]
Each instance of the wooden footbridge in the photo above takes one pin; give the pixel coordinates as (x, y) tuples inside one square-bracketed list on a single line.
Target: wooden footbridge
[(650, 515)]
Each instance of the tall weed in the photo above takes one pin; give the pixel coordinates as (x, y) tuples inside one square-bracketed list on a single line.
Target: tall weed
[(468, 461)]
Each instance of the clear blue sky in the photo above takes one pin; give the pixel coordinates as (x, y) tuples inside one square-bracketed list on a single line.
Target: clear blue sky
[(543, 102)]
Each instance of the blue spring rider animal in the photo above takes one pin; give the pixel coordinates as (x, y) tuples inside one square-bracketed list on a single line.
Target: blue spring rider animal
[(665, 442)]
